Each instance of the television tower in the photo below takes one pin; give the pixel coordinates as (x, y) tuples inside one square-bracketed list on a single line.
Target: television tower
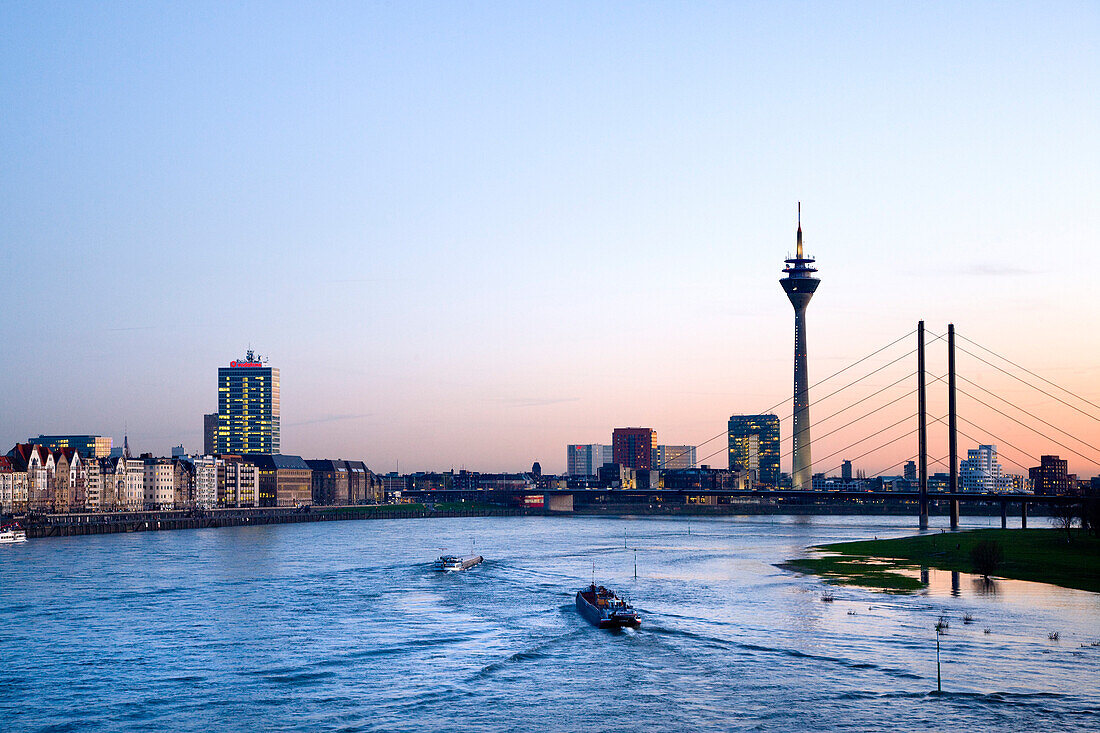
[(800, 284)]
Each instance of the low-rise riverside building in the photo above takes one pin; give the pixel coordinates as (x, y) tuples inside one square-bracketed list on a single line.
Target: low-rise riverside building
[(329, 482), (364, 487), (13, 488), (285, 480)]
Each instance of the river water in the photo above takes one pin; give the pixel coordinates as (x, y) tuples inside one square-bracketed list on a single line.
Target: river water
[(345, 626)]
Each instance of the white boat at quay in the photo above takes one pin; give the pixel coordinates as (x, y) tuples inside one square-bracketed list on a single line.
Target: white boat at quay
[(12, 533)]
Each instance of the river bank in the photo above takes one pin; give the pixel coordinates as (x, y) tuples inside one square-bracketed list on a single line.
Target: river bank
[(893, 565)]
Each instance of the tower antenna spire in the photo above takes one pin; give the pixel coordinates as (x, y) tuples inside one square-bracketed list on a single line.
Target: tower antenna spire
[(799, 253)]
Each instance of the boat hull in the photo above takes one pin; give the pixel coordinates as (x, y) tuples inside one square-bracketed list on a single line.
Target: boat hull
[(596, 617)]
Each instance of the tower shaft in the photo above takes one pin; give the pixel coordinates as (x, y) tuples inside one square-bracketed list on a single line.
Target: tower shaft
[(801, 469)]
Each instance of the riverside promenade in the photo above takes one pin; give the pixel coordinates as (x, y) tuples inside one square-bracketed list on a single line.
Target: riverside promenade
[(65, 525)]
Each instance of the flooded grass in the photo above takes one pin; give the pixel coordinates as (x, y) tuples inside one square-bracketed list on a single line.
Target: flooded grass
[(865, 572), (1040, 555)]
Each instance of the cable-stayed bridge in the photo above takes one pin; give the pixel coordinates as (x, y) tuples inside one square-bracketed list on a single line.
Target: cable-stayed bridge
[(887, 403)]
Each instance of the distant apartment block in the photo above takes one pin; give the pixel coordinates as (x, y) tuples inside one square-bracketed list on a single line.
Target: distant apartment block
[(586, 459), (1050, 478), (206, 481), (633, 447), (754, 446), (674, 457)]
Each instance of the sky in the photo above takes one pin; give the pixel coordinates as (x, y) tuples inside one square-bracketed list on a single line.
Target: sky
[(471, 233)]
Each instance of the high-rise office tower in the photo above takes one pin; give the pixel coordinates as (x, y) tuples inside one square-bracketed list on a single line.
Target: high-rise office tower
[(800, 284), (633, 447), (248, 407), (846, 471), (586, 459), (754, 444)]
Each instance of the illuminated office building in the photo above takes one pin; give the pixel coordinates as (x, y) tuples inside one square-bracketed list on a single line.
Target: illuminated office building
[(754, 445), (88, 446), (674, 457), (248, 407)]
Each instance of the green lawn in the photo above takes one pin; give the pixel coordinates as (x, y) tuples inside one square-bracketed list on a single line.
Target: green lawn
[(1042, 555)]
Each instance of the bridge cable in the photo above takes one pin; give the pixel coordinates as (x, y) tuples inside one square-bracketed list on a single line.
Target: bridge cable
[(889, 442), (852, 422), (868, 374), (726, 432), (1025, 382), (864, 399), (816, 384), (1029, 414), (999, 441), (872, 435), (1037, 432), (1029, 372), (838, 373)]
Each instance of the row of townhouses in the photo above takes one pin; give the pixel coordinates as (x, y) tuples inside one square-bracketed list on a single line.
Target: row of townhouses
[(36, 478)]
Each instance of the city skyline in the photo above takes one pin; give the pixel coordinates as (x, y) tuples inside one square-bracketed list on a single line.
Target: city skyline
[(430, 238)]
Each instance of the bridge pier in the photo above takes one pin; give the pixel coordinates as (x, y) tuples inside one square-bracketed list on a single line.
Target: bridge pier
[(1004, 515), (954, 514), (1023, 515)]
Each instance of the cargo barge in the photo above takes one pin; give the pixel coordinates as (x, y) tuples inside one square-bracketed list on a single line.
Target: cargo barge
[(605, 610), (452, 563)]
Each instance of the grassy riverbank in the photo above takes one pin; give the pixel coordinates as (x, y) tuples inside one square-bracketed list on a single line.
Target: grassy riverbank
[(1041, 555)]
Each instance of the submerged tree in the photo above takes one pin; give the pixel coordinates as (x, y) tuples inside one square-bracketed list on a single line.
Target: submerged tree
[(986, 557)]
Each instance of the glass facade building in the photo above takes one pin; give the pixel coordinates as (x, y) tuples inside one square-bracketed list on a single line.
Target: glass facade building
[(586, 459), (754, 444), (248, 407), (88, 446)]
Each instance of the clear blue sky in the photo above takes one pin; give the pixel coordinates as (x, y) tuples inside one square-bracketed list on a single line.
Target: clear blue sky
[(470, 233)]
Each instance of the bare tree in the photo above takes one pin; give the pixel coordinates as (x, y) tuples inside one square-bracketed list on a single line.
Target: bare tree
[(1064, 516)]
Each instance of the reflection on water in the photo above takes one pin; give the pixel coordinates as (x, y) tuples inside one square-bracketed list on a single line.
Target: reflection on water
[(984, 585), (345, 626)]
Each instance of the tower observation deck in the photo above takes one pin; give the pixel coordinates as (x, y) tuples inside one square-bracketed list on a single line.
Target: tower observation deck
[(800, 284)]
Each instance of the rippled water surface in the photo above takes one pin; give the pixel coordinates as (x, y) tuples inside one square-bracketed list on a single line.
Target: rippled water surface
[(345, 626)]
